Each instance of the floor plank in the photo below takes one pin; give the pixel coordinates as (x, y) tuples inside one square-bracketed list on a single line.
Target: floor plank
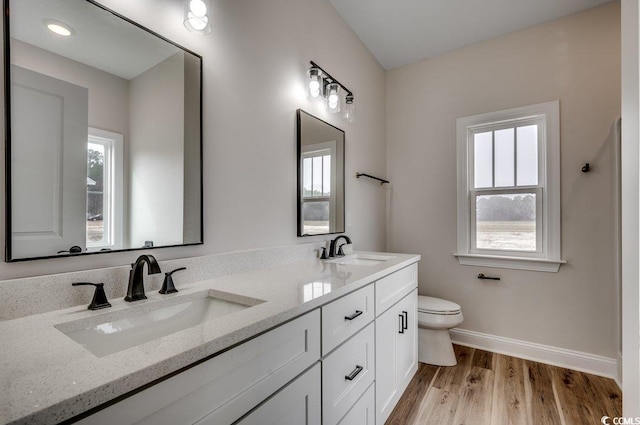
[(452, 378), (407, 409), (495, 389), (474, 404), (439, 407), (483, 359), (509, 403), (544, 410)]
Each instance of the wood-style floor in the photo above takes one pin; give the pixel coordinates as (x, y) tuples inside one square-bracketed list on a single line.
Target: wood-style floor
[(493, 389)]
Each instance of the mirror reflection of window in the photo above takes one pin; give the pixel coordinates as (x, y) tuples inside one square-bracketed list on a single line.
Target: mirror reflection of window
[(320, 177), (316, 188), (104, 190)]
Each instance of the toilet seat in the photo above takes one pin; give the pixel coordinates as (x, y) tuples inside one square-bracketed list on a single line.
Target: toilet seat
[(432, 305)]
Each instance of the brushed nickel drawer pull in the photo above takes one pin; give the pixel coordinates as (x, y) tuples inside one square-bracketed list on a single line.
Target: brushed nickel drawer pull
[(353, 316), (352, 375)]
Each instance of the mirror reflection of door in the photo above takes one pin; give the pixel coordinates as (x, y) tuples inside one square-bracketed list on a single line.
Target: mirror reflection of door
[(48, 156)]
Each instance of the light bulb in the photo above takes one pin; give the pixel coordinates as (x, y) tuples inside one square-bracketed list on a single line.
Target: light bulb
[(198, 8), (315, 84), (198, 23), (333, 98), (349, 108), (197, 16), (314, 88)]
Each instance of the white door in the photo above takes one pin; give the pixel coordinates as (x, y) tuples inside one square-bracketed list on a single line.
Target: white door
[(49, 125)]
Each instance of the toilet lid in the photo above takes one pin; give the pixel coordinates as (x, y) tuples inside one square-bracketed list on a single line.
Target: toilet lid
[(437, 305)]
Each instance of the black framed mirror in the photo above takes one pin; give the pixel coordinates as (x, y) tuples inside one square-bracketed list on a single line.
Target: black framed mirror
[(103, 133), (321, 194)]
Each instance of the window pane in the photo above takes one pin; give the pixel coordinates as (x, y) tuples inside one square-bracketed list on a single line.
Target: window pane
[(506, 222), (317, 176), (482, 160), (504, 158), (315, 217), (95, 193), (528, 155), (326, 175), (306, 177)]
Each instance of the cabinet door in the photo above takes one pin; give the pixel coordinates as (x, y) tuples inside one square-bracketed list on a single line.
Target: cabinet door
[(408, 341), (363, 412), (387, 333), (396, 353), (297, 404)]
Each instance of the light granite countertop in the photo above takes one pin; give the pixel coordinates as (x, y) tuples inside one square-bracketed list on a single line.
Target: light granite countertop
[(46, 377)]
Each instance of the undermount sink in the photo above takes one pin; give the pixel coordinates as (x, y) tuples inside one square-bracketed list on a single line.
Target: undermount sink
[(130, 327), (362, 259)]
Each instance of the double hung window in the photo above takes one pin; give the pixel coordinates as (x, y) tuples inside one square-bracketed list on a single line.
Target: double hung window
[(508, 188)]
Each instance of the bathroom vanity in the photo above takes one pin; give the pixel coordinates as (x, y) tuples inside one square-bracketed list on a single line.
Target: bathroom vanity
[(318, 342)]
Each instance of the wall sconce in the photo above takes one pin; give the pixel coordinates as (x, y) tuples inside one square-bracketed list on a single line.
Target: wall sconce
[(197, 15), (322, 86)]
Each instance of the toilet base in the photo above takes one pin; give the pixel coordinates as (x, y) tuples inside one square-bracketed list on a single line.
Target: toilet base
[(435, 347)]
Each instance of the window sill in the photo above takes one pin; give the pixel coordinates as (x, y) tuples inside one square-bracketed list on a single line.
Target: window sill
[(517, 263)]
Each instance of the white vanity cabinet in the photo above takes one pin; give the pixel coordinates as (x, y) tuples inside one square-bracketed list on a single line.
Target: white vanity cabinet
[(345, 363), (396, 339), (226, 387)]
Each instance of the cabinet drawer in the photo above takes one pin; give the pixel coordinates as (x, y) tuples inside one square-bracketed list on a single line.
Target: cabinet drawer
[(227, 386), (391, 289), (364, 411), (345, 317), (346, 374), (297, 404)]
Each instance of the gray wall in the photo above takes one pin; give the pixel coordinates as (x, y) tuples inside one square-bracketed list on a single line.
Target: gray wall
[(255, 64), (575, 60)]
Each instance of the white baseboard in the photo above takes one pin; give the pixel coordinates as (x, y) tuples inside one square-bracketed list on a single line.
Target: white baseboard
[(577, 360)]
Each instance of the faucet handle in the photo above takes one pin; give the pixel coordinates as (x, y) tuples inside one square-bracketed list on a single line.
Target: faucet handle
[(340, 251), (167, 286), (99, 297)]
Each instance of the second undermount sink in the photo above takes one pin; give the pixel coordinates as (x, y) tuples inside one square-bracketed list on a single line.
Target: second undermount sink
[(131, 327), (362, 259)]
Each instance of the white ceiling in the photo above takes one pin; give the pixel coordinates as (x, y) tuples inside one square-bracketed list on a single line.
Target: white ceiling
[(399, 32), (101, 40)]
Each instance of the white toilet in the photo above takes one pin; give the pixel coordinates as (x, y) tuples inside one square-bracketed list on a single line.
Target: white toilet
[(435, 317)]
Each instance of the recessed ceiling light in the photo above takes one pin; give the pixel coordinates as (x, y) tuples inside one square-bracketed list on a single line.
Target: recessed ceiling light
[(57, 27)]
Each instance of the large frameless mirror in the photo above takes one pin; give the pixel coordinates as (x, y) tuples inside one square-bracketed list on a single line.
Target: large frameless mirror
[(320, 176), (103, 135)]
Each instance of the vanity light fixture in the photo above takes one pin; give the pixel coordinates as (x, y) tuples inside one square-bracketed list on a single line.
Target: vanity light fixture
[(58, 27), (322, 86), (197, 16)]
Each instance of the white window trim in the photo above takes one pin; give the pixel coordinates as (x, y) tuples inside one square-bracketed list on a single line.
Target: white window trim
[(116, 176), (549, 260)]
